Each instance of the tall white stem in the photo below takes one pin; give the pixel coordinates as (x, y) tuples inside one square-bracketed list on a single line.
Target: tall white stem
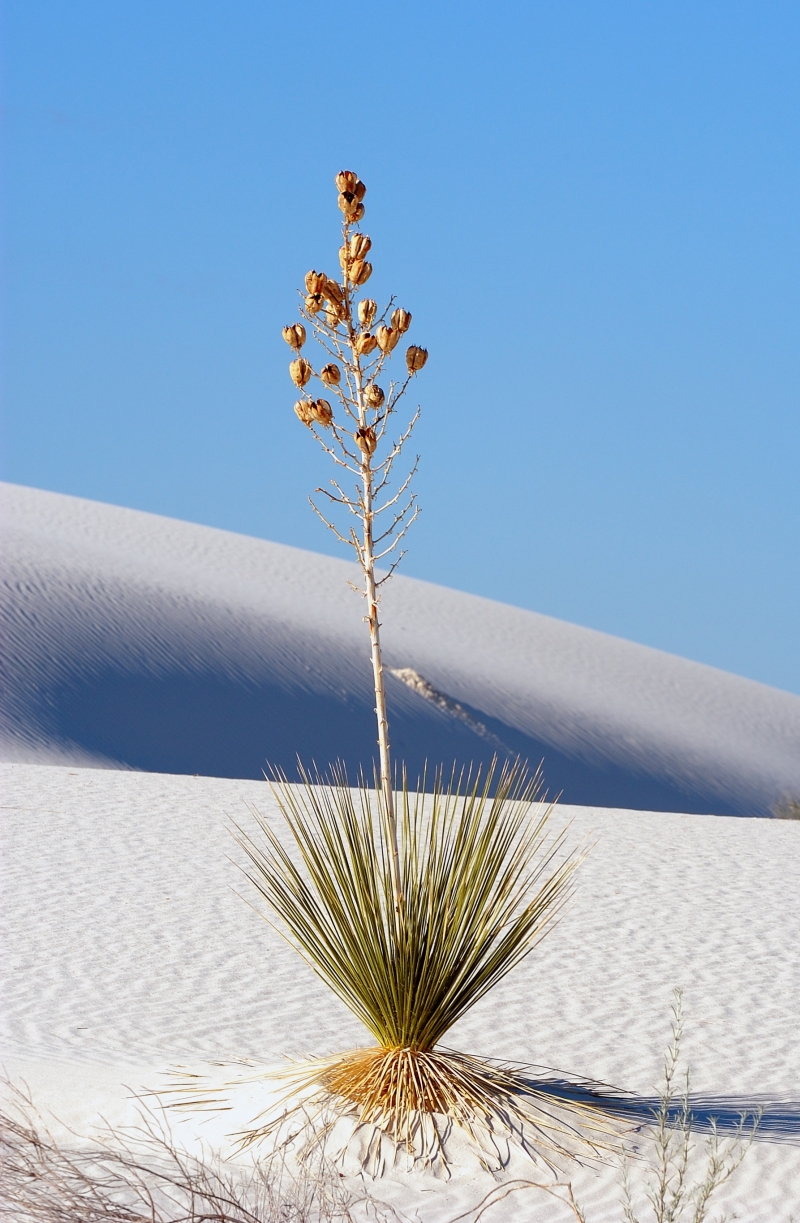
[(371, 594), (377, 673)]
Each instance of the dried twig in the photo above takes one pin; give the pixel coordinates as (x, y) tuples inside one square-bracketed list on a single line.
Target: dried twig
[(140, 1175)]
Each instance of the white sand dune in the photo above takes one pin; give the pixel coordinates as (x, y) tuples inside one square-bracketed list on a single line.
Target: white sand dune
[(138, 641), (127, 949)]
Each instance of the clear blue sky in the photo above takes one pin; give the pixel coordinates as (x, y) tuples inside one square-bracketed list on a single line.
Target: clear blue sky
[(590, 208)]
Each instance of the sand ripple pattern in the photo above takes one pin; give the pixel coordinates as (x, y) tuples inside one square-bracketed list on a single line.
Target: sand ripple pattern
[(125, 944)]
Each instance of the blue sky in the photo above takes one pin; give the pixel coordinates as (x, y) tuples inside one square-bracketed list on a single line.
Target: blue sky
[(591, 210)]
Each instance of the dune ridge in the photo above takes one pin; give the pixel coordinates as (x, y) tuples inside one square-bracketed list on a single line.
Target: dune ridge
[(137, 641)]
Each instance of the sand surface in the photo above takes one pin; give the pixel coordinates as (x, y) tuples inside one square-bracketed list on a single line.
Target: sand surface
[(127, 949), (128, 639)]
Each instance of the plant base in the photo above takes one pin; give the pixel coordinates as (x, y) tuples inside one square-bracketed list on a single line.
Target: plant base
[(385, 1107)]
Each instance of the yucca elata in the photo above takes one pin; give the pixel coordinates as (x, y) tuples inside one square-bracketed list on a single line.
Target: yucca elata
[(482, 881), (411, 920)]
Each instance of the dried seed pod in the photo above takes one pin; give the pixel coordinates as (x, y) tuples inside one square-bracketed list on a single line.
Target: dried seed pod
[(303, 410), (300, 371), (367, 311), (382, 334), (366, 440), (331, 375), (315, 282), (359, 246), (358, 215), (344, 257), (359, 191), (349, 205), (333, 314), (401, 320), (333, 292), (415, 358), (365, 343), (295, 335), (314, 303), (322, 413), (373, 395), (360, 272), (346, 180), (387, 338)]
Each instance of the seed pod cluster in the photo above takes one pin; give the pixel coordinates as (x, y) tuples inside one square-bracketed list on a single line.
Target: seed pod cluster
[(319, 289), (351, 193), (366, 440), (353, 261), (295, 335), (331, 375), (300, 371), (331, 299), (317, 411), (415, 358)]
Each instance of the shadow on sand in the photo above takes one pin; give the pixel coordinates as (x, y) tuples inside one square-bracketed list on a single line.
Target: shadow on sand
[(778, 1120)]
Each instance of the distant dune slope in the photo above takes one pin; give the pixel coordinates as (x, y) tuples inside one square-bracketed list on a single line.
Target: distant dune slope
[(131, 639)]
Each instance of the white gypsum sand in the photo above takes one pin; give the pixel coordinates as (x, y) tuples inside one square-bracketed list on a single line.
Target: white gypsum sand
[(136, 640), (127, 950)]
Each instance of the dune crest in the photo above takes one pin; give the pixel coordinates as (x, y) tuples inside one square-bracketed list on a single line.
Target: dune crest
[(133, 640)]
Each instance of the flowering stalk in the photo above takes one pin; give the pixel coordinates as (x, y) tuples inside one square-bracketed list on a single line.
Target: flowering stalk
[(360, 342)]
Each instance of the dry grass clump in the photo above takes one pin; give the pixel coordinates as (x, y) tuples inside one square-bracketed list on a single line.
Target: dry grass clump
[(787, 807), (141, 1176), (664, 1164)]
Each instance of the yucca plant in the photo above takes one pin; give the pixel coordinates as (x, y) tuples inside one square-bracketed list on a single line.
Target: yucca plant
[(482, 882), (410, 920)]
